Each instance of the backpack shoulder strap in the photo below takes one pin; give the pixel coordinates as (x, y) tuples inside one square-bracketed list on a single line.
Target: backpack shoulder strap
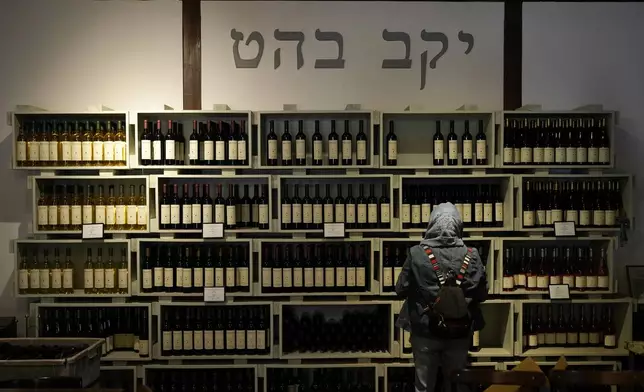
[(466, 263), (437, 270)]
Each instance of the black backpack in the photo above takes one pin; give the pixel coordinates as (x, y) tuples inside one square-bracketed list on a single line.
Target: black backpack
[(449, 317)]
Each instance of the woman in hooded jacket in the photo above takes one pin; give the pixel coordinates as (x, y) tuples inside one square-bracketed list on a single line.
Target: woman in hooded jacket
[(419, 284)]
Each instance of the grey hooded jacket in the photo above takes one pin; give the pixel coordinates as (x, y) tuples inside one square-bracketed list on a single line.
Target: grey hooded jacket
[(418, 281)]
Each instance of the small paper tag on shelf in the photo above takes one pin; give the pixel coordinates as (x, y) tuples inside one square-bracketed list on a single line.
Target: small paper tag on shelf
[(93, 231), (213, 230), (214, 294), (334, 230), (565, 229), (559, 292)]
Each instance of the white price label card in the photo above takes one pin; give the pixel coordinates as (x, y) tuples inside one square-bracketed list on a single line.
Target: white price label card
[(93, 231), (565, 229), (559, 291), (213, 230), (334, 230), (214, 294)]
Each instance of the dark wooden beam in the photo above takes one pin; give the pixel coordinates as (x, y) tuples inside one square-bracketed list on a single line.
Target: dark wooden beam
[(191, 14), (512, 55)]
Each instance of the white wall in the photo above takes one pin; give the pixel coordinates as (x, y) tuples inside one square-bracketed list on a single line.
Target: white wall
[(69, 55), (576, 54)]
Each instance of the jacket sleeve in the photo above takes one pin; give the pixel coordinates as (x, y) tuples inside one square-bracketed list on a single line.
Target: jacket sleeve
[(403, 282), (477, 290)]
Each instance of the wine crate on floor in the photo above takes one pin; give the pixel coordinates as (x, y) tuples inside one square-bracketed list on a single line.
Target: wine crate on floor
[(495, 340), (527, 266), (316, 267), (459, 140), (118, 377), (71, 141), (317, 330), (185, 267), (72, 268), (557, 140), (393, 253), (198, 330), (362, 203), (316, 140), (63, 204), (161, 378), (126, 327), (193, 139), (601, 204), (579, 328), (357, 376), (185, 202), (485, 203)]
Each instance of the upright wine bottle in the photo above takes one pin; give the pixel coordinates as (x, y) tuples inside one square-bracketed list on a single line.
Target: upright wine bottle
[(287, 146), (347, 145), (271, 148), (392, 146), (300, 145), (439, 157), (481, 145), (467, 145), (333, 146), (452, 146)]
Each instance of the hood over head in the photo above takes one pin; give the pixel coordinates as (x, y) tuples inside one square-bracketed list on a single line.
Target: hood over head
[(445, 227)]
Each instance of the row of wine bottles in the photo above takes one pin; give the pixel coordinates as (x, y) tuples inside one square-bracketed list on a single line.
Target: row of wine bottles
[(556, 141), (361, 330), (340, 150), (571, 326), (201, 379), (471, 152), (478, 205), (219, 330), (325, 379), (235, 211), (57, 277), (288, 268), (219, 143), (68, 207), (363, 212), (71, 143), (171, 268), (532, 268), (587, 203), (123, 328)]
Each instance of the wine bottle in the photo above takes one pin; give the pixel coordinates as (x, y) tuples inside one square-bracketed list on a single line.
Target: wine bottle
[(439, 158)]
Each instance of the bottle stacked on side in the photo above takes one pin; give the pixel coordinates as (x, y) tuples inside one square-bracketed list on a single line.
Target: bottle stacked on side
[(311, 213), (308, 268), (348, 379), (446, 153), (556, 141), (215, 330), (201, 379), (535, 268), (45, 276), (340, 150), (190, 212), (213, 143), (479, 205), (394, 254), (68, 207), (71, 143), (590, 204), (178, 268), (347, 331), (123, 328), (560, 326)]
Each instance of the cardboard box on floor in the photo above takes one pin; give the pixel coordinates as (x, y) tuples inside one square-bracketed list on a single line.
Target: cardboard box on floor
[(527, 365)]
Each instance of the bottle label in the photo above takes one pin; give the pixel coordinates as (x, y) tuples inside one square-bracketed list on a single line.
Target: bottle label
[(186, 218), (467, 149), (100, 214), (467, 213), (220, 340), (56, 279), (207, 213), (548, 155), (220, 150), (571, 155), (602, 282), (387, 277), (220, 213), (261, 340), (351, 277), (277, 277), (340, 277), (560, 338), (392, 150), (572, 338), (516, 155), (526, 155), (89, 278), (307, 213), (584, 218), (361, 277), (329, 277), (347, 149), (123, 278), (209, 150), (478, 212), (175, 214), (582, 155), (99, 278), (481, 149), (406, 213), (147, 279), (339, 213), (593, 155), (286, 150), (23, 279), (610, 341), (459, 208), (361, 150), (372, 213), (533, 341), (193, 150), (580, 282), (52, 215), (263, 214), (21, 151), (532, 281), (610, 217), (599, 218), (452, 152), (165, 214), (187, 278), (508, 282), (384, 213), (569, 280), (438, 149), (415, 214), (296, 214), (110, 215), (241, 150), (538, 155), (572, 216), (141, 215), (555, 279), (317, 150), (488, 212), (508, 155), (593, 338), (242, 276), (560, 155), (43, 148), (543, 281), (541, 218), (86, 151), (197, 277), (591, 281), (251, 340), (498, 212), (362, 213), (146, 150), (287, 277), (557, 216), (426, 210), (528, 218), (88, 217), (121, 216), (272, 149), (220, 277), (604, 155), (77, 151), (169, 149), (119, 151), (34, 279), (43, 213), (300, 149), (230, 277), (108, 151), (309, 277), (97, 148), (319, 277), (109, 278), (232, 150), (63, 214), (209, 277), (328, 213), (158, 277), (551, 338), (77, 215), (333, 149), (286, 213)]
